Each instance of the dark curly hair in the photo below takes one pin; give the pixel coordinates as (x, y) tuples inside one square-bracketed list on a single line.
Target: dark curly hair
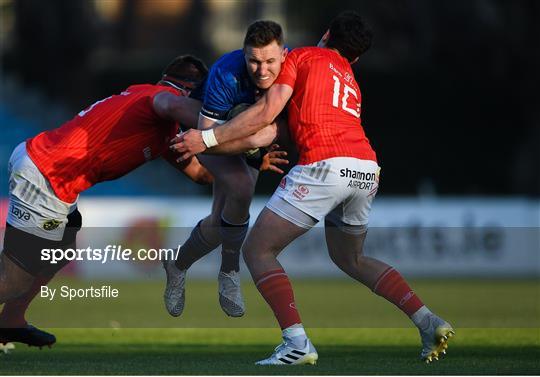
[(349, 35), (186, 68), (262, 33)]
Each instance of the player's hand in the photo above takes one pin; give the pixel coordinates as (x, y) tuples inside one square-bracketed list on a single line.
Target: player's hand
[(188, 144), (273, 158)]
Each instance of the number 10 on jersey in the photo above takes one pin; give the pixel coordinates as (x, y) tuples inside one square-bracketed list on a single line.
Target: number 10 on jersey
[(347, 90)]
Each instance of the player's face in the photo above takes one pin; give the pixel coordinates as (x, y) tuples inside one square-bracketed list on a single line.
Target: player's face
[(264, 63)]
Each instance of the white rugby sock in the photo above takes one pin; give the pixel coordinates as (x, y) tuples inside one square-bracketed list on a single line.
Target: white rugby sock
[(296, 335), (419, 315)]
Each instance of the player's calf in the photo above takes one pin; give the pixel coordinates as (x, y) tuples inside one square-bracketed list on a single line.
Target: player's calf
[(14, 281), (345, 247), (230, 293), (195, 247), (233, 236)]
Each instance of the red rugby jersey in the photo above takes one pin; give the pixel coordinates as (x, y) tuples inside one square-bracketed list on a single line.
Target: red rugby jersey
[(324, 111), (103, 142)]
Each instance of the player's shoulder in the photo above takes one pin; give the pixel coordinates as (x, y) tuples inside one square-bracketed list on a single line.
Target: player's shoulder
[(148, 89), (312, 56), (232, 63), (140, 87), (308, 54), (307, 51)]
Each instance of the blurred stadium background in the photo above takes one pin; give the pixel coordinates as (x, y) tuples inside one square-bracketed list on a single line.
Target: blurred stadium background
[(450, 103)]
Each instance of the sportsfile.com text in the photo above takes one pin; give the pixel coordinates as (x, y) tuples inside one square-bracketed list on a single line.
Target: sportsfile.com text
[(109, 253)]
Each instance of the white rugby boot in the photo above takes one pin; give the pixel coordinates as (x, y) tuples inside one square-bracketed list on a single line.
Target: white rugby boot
[(289, 354), (435, 333), (230, 293), (175, 291)]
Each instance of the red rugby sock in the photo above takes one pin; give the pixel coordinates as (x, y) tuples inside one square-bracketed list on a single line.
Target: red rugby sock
[(395, 289), (14, 310), (277, 291)]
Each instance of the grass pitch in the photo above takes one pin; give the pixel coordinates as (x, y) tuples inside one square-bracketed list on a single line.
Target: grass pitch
[(354, 331)]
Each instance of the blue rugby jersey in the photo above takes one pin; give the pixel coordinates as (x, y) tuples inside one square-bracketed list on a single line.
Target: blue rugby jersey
[(228, 84)]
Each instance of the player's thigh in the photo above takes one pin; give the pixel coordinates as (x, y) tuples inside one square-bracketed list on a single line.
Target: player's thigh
[(33, 254), (219, 197), (271, 233), (223, 167), (232, 174), (36, 220), (359, 180), (346, 224), (315, 189)]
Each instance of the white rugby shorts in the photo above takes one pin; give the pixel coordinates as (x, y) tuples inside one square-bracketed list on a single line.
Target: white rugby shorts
[(340, 189), (33, 205)]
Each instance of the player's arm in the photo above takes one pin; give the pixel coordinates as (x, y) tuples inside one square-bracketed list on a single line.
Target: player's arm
[(259, 115), (262, 138), (219, 102), (191, 168), (266, 161), (181, 109)]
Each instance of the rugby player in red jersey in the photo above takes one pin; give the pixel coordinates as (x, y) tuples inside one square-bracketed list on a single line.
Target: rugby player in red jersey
[(103, 142), (336, 178)]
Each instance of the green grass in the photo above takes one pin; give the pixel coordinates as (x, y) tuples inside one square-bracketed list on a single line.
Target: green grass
[(233, 351), (355, 332)]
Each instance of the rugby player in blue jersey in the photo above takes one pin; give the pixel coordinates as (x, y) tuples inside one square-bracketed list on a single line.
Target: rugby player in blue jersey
[(239, 77)]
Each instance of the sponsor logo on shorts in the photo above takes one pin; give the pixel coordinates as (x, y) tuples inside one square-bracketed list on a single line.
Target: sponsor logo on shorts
[(355, 174), (283, 182), (51, 224), (20, 213), (301, 192), (319, 171), (359, 179)]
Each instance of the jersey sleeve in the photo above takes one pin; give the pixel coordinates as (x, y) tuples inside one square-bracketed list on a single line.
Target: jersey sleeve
[(220, 92), (289, 70)]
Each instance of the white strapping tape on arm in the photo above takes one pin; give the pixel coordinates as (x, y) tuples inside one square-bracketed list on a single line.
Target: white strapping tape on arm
[(209, 138)]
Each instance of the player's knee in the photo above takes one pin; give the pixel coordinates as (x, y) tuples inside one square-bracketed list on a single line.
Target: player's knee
[(338, 259), (253, 252), (241, 190), (348, 259), (247, 252), (13, 283), (240, 181)]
